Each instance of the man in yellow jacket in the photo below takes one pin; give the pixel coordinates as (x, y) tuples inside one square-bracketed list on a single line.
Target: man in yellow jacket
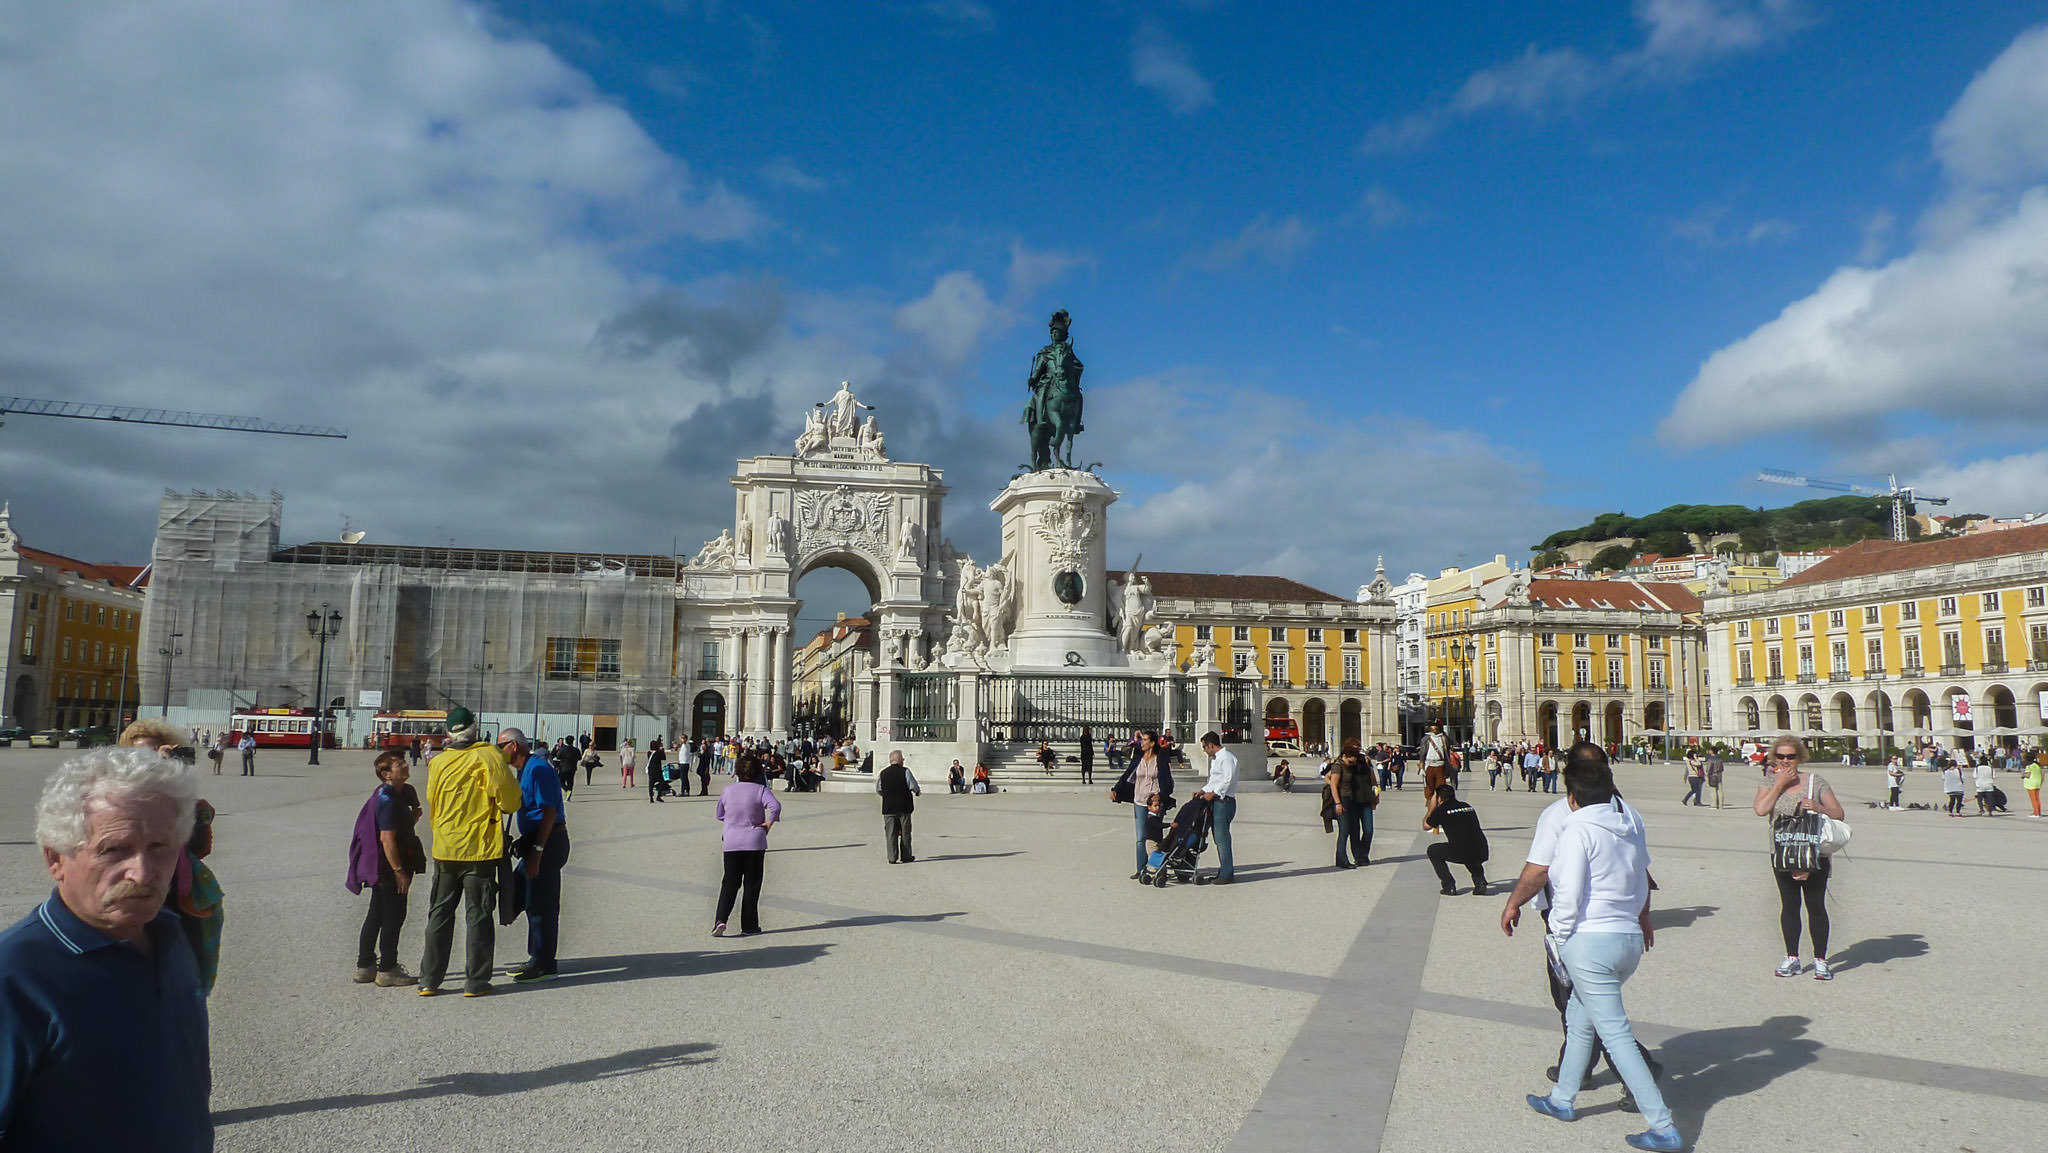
[(469, 788)]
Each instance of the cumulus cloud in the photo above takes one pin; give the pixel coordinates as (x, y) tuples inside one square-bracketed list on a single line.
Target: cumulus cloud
[(1957, 328), (1167, 66), (1677, 37)]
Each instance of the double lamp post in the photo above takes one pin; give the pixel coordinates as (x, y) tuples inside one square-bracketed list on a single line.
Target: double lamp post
[(323, 624)]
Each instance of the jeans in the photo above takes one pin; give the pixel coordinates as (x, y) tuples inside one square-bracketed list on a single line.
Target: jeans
[(742, 868), (1220, 813), (378, 944), (1600, 963), (1354, 835), (1144, 854), (544, 903), (896, 836), (473, 885), (1693, 787)]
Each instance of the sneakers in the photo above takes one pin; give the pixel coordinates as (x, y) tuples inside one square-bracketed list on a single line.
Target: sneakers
[(1789, 967), (718, 930), (479, 991), (430, 990), (1542, 1103), (1666, 1140), (1821, 972), (529, 976), (396, 978), (365, 974)]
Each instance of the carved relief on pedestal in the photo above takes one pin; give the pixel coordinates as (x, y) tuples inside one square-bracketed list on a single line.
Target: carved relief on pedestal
[(1068, 529), (841, 518)]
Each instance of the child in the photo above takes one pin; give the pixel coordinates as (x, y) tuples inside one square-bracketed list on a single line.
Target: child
[(1156, 826)]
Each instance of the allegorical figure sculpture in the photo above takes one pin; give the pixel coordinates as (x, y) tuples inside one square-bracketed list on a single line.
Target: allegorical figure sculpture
[(1053, 414)]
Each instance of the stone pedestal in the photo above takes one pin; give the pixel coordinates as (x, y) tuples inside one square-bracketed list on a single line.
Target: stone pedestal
[(1054, 542)]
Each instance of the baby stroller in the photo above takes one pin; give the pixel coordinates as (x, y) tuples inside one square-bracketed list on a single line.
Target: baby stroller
[(668, 780), (1180, 849)]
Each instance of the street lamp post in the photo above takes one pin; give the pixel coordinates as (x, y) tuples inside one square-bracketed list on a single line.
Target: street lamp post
[(324, 624), (170, 653), (1471, 719)]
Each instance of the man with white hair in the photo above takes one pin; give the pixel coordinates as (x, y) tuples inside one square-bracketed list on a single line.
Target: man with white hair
[(99, 994)]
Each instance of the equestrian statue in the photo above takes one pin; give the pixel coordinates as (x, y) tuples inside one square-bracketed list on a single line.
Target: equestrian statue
[(1053, 414)]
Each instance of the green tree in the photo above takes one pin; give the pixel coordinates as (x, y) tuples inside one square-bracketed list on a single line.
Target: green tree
[(1666, 542), (1613, 558), (1549, 557)]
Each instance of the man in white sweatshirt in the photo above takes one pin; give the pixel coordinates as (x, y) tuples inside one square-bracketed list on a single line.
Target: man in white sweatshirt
[(1599, 893)]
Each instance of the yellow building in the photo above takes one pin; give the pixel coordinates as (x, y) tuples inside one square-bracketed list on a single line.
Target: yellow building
[(1328, 662), (71, 629), (1535, 659), (1892, 643)]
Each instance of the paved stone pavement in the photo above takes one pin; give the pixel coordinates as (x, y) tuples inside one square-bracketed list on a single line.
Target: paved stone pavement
[(1013, 991)]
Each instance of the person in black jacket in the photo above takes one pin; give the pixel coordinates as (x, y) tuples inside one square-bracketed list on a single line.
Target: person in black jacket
[(898, 788), (1464, 841), (655, 755), (1150, 771), (1087, 755)]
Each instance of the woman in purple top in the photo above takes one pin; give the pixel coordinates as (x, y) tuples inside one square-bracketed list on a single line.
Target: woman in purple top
[(749, 809)]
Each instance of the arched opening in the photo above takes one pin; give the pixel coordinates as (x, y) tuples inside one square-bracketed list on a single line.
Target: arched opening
[(1809, 713), (1314, 731), (1959, 716), (1546, 724), (1919, 711), (1277, 709), (1781, 715), (2005, 716), (1653, 716), (25, 702), (834, 644), (1350, 722), (1493, 718), (1845, 712), (1582, 721), (1613, 733), (707, 715), (1877, 710), (2036, 714), (1752, 717)]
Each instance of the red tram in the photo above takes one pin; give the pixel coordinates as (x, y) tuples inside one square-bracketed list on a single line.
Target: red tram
[(399, 728), (283, 728)]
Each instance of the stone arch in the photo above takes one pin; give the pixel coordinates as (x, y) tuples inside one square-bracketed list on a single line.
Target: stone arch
[(1582, 721), (1493, 721), (872, 575), (1350, 722), (2004, 711), (1781, 714), (1653, 716), (1919, 710), (1751, 716), (1613, 728), (1946, 718), (1877, 708), (1844, 707), (2035, 695), (1810, 716), (1546, 724), (1314, 723), (707, 715), (1277, 709)]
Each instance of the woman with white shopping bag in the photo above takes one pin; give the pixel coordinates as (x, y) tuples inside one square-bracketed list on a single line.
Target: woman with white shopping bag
[(1806, 828)]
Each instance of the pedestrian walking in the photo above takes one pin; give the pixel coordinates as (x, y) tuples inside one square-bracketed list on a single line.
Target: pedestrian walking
[(1695, 780), (627, 754), (2031, 781), (1715, 773), (469, 786), (1952, 785), (1599, 926), (1802, 877), (1149, 771), (1983, 781), (897, 786), (655, 757), (247, 745), (748, 810), (384, 857)]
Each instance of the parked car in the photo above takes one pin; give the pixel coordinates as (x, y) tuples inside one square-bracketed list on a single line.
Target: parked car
[(89, 735), (12, 734), (1289, 749), (47, 739)]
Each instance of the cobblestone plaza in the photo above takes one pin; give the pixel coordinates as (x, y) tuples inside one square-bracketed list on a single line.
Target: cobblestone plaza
[(1012, 991)]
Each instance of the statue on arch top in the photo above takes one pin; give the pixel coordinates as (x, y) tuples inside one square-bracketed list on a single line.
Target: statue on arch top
[(845, 418), (1053, 414)]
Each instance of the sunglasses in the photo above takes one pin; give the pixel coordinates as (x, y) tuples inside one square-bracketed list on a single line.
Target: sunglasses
[(1784, 756)]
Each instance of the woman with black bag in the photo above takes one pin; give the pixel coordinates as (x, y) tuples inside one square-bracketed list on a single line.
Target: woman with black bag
[(1150, 771), (1796, 803)]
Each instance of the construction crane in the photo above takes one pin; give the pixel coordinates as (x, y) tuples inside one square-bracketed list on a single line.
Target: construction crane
[(74, 410), (1902, 498)]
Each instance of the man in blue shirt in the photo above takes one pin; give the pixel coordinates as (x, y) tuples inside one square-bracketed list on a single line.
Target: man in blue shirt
[(103, 1030), (544, 835)]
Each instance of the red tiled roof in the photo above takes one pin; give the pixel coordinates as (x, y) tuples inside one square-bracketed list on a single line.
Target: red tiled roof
[(118, 575), (1871, 557), (1634, 596), (1224, 586)]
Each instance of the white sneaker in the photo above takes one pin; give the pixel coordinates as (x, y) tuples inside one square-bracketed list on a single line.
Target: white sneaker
[(1789, 968), (1821, 972)]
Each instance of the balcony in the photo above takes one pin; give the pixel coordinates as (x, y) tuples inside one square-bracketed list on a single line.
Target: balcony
[(1874, 675), (1809, 678), (1352, 685), (1993, 666), (1745, 682), (1839, 676), (2037, 665), (1775, 682), (1314, 684), (1550, 687), (1914, 669), (710, 674), (1951, 670)]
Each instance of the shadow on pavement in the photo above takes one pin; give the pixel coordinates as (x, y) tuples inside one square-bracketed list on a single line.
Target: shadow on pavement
[(1704, 1068), (816, 848), (1879, 950), (689, 963), (1680, 916), (489, 1084), (972, 856), (868, 921)]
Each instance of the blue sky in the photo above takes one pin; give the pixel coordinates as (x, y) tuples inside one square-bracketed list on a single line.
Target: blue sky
[(1422, 281)]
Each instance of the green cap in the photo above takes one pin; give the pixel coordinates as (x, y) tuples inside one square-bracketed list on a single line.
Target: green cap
[(460, 718)]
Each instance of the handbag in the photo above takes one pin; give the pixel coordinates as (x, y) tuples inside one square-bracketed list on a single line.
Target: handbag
[(1834, 834)]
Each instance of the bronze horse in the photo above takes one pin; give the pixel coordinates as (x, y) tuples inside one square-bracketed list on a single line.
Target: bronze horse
[(1053, 414)]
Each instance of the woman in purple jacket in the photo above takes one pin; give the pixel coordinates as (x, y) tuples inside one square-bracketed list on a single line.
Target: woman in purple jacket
[(749, 809)]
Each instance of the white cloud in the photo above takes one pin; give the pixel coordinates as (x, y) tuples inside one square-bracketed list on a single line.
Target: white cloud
[(785, 172), (953, 317), (1277, 485), (1273, 241), (1878, 229), (2000, 486), (1956, 329), (1678, 36), (1381, 209), (1167, 66)]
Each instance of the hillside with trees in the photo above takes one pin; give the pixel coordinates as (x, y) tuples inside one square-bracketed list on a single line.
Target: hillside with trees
[(1810, 524)]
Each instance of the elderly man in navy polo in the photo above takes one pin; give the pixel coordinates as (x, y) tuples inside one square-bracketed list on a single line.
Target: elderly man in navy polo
[(103, 1040)]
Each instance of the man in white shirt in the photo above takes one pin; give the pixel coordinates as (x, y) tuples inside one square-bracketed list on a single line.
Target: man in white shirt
[(1221, 792)]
